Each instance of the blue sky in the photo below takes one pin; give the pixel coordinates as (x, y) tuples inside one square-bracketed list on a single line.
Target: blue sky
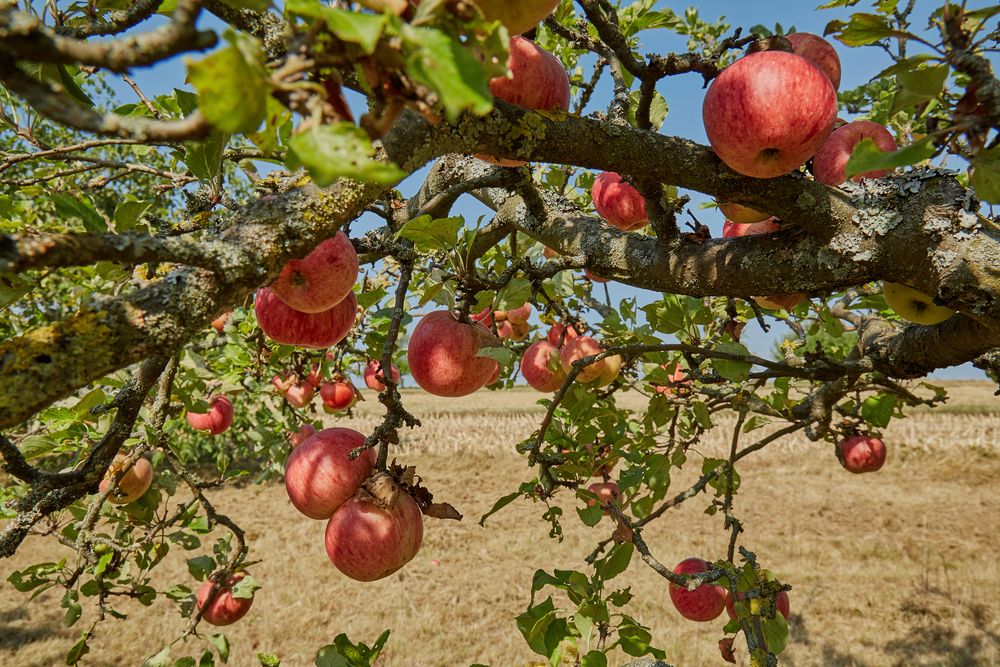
[(684, 96)]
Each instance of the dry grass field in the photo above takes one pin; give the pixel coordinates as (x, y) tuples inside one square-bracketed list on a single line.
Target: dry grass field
[(897, 568)]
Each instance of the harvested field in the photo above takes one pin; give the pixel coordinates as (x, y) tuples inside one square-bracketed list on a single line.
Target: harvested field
[(898, 568)]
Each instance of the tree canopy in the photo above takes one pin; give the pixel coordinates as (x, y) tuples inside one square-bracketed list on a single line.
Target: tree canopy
[(135, 233)]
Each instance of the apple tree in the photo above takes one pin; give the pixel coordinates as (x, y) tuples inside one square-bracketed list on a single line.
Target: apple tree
[(183, 269)]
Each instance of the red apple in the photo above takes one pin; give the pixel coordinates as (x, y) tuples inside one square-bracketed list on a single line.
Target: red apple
[(705, 602), (612, 368), (819, 52), (556, 335), (372, 373), (321, 279), (300, 394), (224, 609), (315, 377), (741, 215), (513, 330), (305, 432), (541, 367), (442, 355), (618, 203), (338, 395), (769, 112), (733, 230), (830, 162), (605, 492), (282, 383), (486, 316), (781, 602), (578, 348), (219, 323), (132, 485), (680, 384), (549, 253), (218, 418), (536, 80), (861, 453), (319, 474), (519, 315), (375, 533), (283, 324)]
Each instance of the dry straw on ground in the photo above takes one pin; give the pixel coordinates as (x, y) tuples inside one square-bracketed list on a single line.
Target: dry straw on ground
[(893, 569)]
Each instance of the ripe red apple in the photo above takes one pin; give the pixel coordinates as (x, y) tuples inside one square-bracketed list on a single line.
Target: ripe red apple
[(769, 112), (224, 609), (305, 432), (830, 161), (680, 384), (741, 215), (442, 355), (781, 602), (283, 324), (556, 335), (513, 330), (133, 484), (282, 383), (300, 394), (578, 348), (519, 315), (861, 453), (705, 602), (319, 474), (733, 230), (605, 492), (780, 301), (315, 377), (819, 52), (541, 367), (218, 418), (219, 323), (338, 395), (486, 316), (321, 279), (618, 203), (537, 80), (372, 372), (376, 532)]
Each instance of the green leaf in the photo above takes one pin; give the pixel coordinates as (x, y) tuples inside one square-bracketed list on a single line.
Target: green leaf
[(594, 659), (221, 644), (591, 516), (268, 660), (80, 208), (657, 109), (200, 567), (252, 5), (918, 86), (232, 84), (71, 603), (877, 410), (986, 175), (80, 649), (127, 214), (775, 633), (734, 371), (616, 562), (204, 158), (515, 294), (340, 150), (245, 588), (869, 157), (161, 659), (439, 62), (499, 505), (863, 29), (355, 27), (701, 414), (429, 234)]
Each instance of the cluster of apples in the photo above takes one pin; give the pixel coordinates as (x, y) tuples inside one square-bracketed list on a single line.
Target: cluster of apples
[(546, 362), (337, 394), (511, 324), (706, 602), (374, 527)]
